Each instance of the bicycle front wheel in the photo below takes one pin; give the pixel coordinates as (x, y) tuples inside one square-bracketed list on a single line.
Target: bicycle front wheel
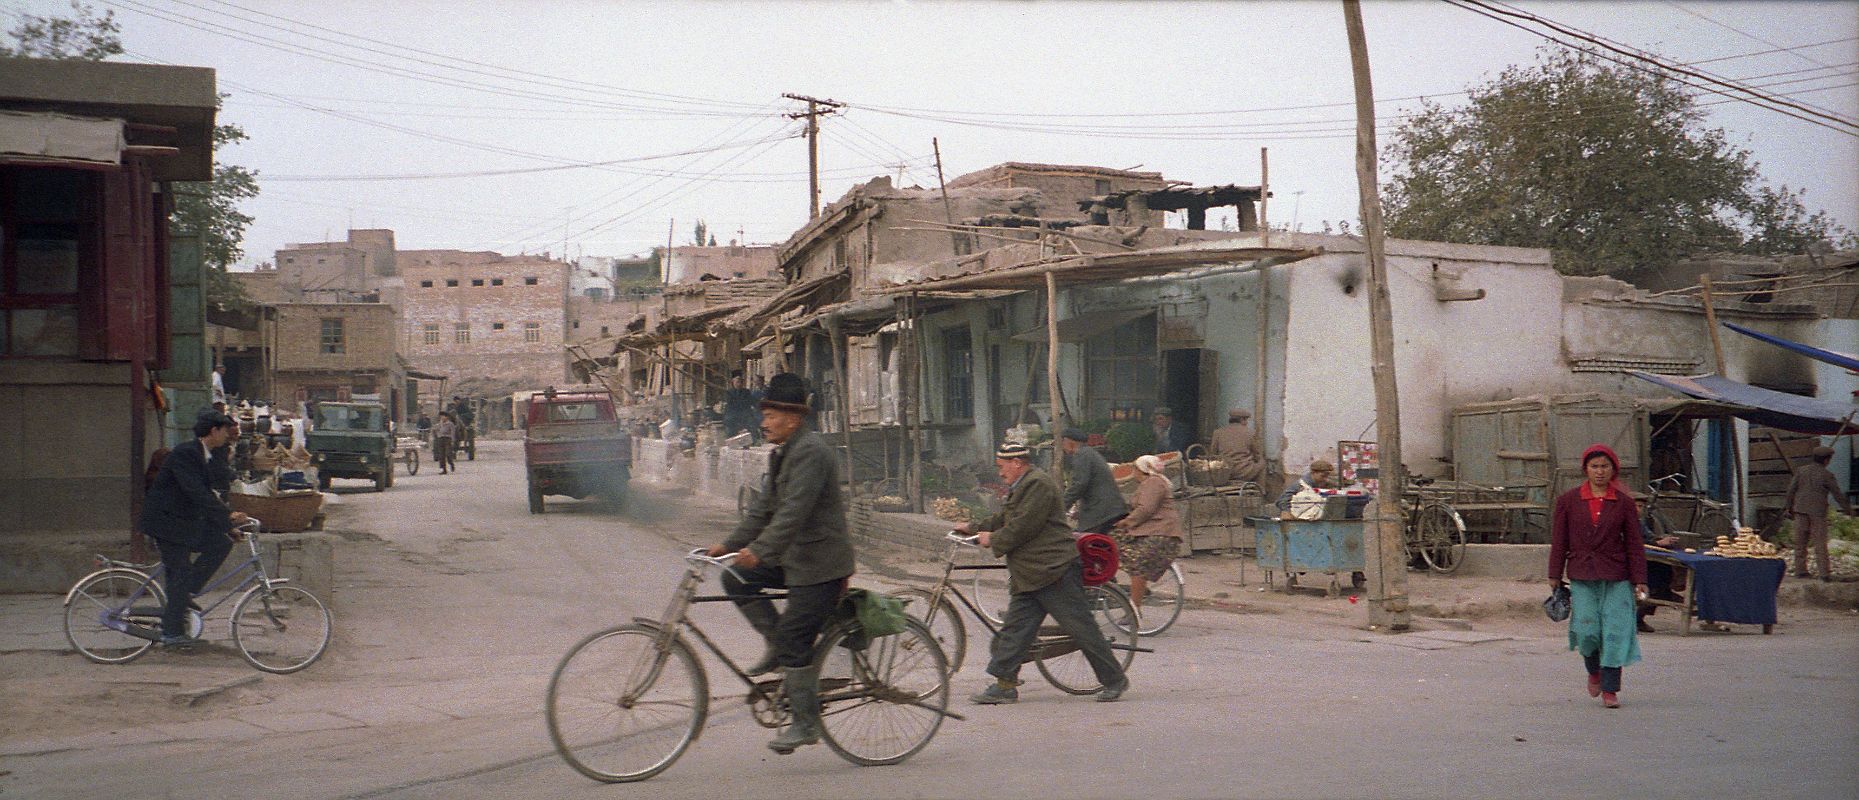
[(114, 616), (991, 594), (943, 621), (281, 629), (622, 709), (1441, 537), (882, 704), (1063, 663)]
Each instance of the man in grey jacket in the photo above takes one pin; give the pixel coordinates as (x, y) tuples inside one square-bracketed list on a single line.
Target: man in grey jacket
[(1092, 489), (793, 537), (1807, 504)]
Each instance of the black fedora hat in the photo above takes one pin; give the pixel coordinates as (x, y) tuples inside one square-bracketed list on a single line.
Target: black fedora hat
[(787, 392)]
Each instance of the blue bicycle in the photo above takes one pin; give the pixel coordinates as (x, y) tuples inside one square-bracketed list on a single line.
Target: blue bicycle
[(113, 615)]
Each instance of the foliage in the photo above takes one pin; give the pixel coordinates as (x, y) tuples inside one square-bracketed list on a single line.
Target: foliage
[(698, 234), (209, 210), (1099, 425), (1610, 167), (1127, 440), (82, 37)]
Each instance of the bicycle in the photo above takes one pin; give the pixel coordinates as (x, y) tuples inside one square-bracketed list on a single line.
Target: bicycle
[(1702, 516), (626, 702), (1055, 654), (1168, 593), (113, 615)]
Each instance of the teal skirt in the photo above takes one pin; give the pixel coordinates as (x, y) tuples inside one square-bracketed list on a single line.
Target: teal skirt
[(1602, 621)]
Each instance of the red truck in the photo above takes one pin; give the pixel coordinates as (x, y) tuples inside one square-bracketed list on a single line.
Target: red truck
[(574, 445)]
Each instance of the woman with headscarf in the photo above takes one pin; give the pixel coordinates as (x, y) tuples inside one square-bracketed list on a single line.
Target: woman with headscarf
[(1595, 541), (1150, 535)]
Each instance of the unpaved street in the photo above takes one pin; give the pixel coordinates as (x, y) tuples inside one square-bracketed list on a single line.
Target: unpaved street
[(453, 605)]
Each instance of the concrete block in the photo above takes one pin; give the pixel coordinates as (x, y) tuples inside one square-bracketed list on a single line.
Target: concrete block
[(307, 559), (1519, 561), (51, 561)]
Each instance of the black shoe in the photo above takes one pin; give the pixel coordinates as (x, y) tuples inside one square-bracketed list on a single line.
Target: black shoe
[(181, 642), (1642, 627)]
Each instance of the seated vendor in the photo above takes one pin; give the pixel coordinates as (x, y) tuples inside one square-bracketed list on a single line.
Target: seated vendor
[(1660, 580), (1321, 476)]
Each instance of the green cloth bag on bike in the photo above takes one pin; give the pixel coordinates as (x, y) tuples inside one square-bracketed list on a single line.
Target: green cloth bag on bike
[(878, 615)]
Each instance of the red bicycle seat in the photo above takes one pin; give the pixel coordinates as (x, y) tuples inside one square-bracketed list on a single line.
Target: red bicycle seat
[(1099, 553)]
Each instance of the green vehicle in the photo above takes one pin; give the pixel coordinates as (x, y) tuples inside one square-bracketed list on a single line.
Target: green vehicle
[(351, 440)]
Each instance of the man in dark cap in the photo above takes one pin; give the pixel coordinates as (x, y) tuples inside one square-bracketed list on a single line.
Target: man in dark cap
[(1236, 444), (1045, 576), (1170, 437), (792, 536), (1807, 504), (1092, 489), (183, 515)]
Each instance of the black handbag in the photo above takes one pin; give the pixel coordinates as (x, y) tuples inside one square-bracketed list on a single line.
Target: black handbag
[(1557, 604)]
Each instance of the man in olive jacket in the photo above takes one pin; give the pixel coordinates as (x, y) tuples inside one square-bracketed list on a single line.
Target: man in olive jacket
[(793, 537), (1092, 488), (1045, 576)]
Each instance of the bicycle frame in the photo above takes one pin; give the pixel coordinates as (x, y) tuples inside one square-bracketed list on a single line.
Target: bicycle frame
[(250, 571), (676, 620), (1052, 645)]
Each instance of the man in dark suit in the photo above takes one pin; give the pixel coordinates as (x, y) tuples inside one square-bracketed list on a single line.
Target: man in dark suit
[(183, 515), (793, 536), (1170, 437)]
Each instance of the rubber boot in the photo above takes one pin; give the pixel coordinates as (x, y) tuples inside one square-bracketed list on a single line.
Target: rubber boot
[(803, 697), (763, 618)]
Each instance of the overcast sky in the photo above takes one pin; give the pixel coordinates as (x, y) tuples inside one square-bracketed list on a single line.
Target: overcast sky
[(388, 114)]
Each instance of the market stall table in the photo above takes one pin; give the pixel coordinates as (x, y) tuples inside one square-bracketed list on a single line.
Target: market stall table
[(1718, 589), (1328, 546)]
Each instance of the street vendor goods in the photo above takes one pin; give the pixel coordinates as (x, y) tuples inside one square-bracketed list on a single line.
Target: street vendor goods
[(1746, 545)]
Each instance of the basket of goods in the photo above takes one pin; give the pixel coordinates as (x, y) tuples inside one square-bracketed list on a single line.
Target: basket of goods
[(286, 512), (950, 509), (1208, 472), (888, 496)]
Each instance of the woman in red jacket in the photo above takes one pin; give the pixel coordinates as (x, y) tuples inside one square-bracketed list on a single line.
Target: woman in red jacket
[(1595, 541)]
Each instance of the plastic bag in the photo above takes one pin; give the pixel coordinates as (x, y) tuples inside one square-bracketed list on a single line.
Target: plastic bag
[(1557, 604), (878, 615)]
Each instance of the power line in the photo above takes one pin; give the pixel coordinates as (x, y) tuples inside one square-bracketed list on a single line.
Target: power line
[(1738, 31), (532, 170)]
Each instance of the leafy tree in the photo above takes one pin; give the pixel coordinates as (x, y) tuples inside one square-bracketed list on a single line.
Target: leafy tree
[(85, 36), (1610, 167), (698, 235), (206, 209)]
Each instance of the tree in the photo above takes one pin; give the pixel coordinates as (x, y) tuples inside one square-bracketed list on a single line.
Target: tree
[(205, 209), (1609, 166), (85, 36), (697, 235)]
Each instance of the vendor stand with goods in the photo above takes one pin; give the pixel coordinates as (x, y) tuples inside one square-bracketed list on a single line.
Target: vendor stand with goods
[(1319, 529), (1733, 582)]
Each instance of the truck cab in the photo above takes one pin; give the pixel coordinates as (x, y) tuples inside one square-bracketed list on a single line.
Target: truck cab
[(575, 446), (351, 440)]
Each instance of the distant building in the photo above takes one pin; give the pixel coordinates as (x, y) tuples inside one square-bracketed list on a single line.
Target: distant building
[(335, 351), (494, 323), (691, 264)]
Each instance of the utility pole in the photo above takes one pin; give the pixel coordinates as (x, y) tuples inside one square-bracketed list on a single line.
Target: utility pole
[(948, 213), (816, 108), (1387, 570)]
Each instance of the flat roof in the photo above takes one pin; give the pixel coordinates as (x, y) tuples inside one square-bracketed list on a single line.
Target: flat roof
[(183, 98)]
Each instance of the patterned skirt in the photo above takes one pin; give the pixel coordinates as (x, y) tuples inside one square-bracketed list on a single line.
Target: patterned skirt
[(1145, 556)]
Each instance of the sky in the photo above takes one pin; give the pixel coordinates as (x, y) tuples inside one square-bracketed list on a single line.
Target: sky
[(604, 126)]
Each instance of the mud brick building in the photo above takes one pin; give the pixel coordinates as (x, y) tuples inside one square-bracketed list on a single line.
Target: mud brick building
[(335, 351), (494, 323)]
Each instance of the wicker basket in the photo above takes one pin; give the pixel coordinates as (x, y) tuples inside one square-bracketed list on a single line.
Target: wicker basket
[(1205, 472), (287, 514)]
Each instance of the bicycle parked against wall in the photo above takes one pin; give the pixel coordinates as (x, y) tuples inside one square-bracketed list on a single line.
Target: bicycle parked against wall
[(1671, 510), (1055, 653), (113, 615), (626, 702)]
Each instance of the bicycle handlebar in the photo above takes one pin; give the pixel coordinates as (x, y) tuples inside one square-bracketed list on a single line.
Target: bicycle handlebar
[(971, 540), (1677, 478), (701, 555)]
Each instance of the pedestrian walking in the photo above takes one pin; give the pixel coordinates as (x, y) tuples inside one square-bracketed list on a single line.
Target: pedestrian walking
[(1595, 541), (184, 516), (444, 435), (1092, 489), (1045, 577), (793, 537), (1150, 536), (1807, 504)]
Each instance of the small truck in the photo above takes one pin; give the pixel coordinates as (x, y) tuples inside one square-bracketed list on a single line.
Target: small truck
[(351, 440), (575, 446)]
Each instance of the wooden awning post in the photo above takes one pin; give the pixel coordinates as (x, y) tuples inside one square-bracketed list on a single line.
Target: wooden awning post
[(1737, 501), (1058, 422)]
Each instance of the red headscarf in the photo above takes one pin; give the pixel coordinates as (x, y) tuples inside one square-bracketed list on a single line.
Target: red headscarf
[(1615, 486)]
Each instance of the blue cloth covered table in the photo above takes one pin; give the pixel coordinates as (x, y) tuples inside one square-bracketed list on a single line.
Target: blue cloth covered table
[(1739, 590)]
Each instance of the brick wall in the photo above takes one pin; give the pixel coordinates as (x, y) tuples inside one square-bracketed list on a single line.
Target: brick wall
[(369, 331), (496, 299)]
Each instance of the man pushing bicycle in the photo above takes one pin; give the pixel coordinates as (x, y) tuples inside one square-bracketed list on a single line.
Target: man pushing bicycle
[(1045, 576), (792, 536)]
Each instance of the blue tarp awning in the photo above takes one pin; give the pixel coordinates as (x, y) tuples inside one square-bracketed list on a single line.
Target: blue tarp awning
[(1834, 357), (1789, 412)]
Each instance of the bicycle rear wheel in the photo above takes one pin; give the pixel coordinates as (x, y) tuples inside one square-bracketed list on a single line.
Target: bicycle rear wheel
[(1440, 537), (942, 619), (1167, 596), (620, 709), (882, 704), (1065, 666), (114, 616), (281, 629)]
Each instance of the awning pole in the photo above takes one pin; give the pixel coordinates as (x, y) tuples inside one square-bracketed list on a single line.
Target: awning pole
[(1737, 502), (1052, 372)]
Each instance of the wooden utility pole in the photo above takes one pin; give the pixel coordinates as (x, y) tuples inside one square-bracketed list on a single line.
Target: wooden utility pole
[(1265, 197), (948, 211), (1052, 372), (1387, 570), (816, 108), (1736, 450)]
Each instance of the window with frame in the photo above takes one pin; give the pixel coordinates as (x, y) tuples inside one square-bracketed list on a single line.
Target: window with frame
[(477, 281), (332, 340), (44, 241), (451, 283), (532, 331), (425, 284), (1121, 372), (430, 335), (531, 281), (461, 333), (496, 281), (958, 359), (496, 326)]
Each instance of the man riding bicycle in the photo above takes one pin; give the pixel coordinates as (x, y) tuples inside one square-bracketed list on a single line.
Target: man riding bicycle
[(792, 536)]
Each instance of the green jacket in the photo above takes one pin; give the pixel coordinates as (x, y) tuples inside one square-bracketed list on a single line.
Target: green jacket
[(1030, 532), (799, 521), (1093, 489)]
